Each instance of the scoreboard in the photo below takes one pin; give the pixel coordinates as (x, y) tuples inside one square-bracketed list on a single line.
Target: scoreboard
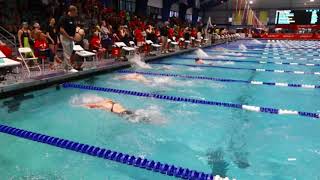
[(302, 17)]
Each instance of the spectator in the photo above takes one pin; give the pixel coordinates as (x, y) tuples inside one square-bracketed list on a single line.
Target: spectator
[(138, 36), (41, 48), (164, 37), (24, 36), (151, 34), (35, 31), (105, 35), (53, 40), (68, 30), (95, 44)]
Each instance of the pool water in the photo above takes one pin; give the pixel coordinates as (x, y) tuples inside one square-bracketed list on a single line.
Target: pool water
[(228, 142)]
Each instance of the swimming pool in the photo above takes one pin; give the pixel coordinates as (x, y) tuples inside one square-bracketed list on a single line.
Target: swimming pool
[(225, 141)]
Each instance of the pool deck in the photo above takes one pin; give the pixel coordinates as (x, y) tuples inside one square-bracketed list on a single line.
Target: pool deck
[(44, 81)]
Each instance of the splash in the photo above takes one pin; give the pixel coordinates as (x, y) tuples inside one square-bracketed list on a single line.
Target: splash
[(233, 54), (162, 81), (218, 57), (243, 47), (255, 41), (79, 100), (201, 54), (137, 61), (195, 69), (150, 115)]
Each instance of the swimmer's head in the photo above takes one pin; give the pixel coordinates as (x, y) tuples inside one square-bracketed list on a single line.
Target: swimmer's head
[(197, 59)]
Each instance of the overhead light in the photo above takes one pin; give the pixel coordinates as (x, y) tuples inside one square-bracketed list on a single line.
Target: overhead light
[(311, 0), (251, 2)]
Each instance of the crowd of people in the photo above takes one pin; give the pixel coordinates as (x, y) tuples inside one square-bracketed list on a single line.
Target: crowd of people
[(97, 29)]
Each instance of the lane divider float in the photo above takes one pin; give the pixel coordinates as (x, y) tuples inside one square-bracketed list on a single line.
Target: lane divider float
[(237, 68), (137, 162), (255, 62), (194, 101), (308, 86)]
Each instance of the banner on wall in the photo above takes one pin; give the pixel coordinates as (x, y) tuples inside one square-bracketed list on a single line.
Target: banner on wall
[(237, 18), (264, 17)]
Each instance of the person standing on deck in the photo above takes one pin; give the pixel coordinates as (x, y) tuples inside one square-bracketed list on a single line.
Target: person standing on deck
[(67, 32)]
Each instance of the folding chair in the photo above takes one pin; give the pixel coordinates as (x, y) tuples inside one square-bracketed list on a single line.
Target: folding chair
[(29, 60)]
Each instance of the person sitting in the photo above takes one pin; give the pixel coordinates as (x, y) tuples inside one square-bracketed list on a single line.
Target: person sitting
[(199, 61), (95, 45), (135, 77), (41, 48)]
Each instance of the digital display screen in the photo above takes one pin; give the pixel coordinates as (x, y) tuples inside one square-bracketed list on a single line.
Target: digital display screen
[(309, 16)]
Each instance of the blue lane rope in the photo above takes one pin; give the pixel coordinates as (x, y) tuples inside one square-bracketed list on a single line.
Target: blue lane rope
[(255, 62), (223, 80), (194, 101), (248, 69), (284, 49), (263, 54), (262, 47), (137, 162)]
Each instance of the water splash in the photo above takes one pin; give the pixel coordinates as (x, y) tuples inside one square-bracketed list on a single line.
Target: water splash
[(218, 57), (243, 47), (201, 54), (255, 41), (137, 61), (80, 100), (233, 54), (151, 115)]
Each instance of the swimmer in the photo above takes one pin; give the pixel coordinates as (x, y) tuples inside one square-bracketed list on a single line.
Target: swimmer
[(114, 107), (135, 77), (199, 61)]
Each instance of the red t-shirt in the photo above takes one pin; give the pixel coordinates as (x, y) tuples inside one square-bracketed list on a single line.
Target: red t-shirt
[(194, 33), (181, 32), (170, 33), (40, 45), (95, 43), (138, 35)]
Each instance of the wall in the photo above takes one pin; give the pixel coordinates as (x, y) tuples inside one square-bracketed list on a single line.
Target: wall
[(221, 13), (155, 3)]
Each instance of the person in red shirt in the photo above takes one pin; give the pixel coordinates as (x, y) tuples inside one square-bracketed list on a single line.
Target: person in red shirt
[(41, 48), (95, 45), (139, 37), (194, 32), (170, 33)]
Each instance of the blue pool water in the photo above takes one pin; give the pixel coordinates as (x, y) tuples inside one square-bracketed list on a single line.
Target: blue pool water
[(241, 144)]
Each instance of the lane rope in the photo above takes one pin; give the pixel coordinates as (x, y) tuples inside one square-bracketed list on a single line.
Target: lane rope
[(254, 54), (255, 62), (308, 86), (194, 101), (136, 162), (237, 68)]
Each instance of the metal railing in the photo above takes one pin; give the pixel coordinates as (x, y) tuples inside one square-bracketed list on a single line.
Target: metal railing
[(12, 41)]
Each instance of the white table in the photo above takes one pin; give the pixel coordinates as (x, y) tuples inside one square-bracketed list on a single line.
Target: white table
[(85, 55), (8, 64)]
